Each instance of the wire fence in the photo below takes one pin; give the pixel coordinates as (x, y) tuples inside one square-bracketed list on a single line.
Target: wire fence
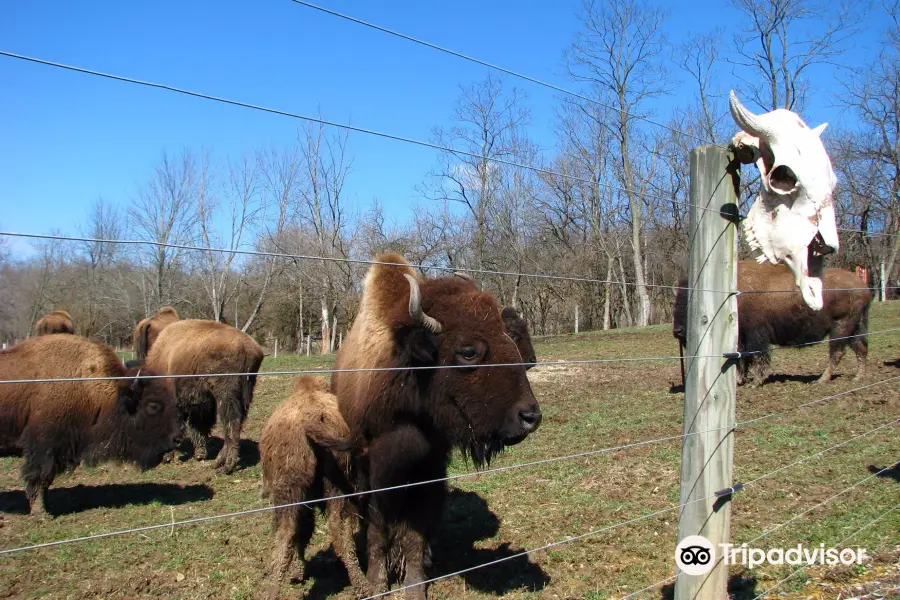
[(423, 266), (587, 454), (731, 429)]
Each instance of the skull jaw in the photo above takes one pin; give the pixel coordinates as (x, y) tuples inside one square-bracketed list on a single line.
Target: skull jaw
[(781, 237), (808, 272)]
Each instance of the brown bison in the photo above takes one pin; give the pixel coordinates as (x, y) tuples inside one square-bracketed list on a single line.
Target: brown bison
[(783, 318), (58, 321), (298, 465), (192, 347), (147, 330), (55, 426), (409, 420)]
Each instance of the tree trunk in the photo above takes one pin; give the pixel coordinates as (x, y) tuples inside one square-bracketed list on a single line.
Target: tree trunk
[(606, 293), (326, 332), (625, 302)]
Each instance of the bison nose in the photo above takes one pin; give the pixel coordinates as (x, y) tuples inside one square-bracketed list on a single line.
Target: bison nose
[(531, 418)]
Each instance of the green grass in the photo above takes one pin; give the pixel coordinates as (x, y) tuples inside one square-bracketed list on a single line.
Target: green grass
[(586, 407)]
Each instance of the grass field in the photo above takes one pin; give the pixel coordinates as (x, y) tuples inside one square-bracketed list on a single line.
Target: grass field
[(490, 516)]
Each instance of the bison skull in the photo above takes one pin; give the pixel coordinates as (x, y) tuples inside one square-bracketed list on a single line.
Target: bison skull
[(792, 219)]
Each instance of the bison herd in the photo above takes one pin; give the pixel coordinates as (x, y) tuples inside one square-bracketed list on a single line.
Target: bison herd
[(428, 366)]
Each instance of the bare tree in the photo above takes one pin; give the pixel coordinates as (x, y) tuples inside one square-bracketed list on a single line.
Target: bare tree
[(100, 291), (163, 212), (869, 159), (619, 54), (783, 39), (487, 124), (238, 194), (325, 165)]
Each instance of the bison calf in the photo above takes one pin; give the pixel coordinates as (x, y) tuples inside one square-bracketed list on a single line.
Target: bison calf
[(767, 315), (55, 426), (296, 466)]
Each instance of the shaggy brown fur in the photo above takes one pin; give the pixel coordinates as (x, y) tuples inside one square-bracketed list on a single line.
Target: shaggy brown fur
[(147, 330), (58, 321), (56, 426), (192, 347), (297, 465), (784, 319), (409, 420)]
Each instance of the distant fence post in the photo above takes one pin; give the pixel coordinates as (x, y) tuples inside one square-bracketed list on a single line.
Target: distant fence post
[(710, 387)]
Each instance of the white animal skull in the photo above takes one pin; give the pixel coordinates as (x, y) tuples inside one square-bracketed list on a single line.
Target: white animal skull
[(792, 220)]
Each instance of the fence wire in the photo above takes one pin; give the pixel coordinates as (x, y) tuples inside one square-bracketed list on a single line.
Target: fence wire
[(623, 523), (585, 454), (354, 261), (421, 266), (344, 126), (589, 361), (500, 69), (837, 545)]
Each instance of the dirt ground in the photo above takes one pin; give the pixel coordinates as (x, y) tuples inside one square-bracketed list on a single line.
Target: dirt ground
[(496, 515)]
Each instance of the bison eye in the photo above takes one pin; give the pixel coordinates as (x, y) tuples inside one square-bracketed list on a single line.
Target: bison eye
[(153, 408), (515, 337), (468, 353)]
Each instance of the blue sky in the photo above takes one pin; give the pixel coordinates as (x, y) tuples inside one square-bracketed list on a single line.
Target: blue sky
[(68, 139)]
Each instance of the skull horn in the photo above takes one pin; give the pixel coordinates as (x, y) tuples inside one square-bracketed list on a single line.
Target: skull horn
[(136, 382), (749, 122), (415, 307)]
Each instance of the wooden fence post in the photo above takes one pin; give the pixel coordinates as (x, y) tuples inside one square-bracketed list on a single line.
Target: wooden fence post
[(711, 385)]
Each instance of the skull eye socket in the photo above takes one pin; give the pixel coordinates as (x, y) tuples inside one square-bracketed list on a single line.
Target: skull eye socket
[(783, 179)]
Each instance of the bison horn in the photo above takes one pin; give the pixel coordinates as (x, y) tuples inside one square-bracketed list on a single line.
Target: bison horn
[(749, 122), (136, 382), (466, 277), (415, 306)]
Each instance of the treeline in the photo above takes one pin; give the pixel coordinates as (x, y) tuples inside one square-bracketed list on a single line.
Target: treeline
[(606, 207)]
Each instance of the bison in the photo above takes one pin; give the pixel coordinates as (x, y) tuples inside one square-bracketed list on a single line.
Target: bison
[(55, 426), (784, 319), (58, 321), (408, 420), (193, 347), (298, 464), (147, 330)]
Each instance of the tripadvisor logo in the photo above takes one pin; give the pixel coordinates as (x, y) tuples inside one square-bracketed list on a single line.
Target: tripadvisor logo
[(695, 555)]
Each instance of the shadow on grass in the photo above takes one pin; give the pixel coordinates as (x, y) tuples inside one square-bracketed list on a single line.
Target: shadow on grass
[(786, 378), (328, 574), (467, 520), (64, 501), (887, 472), (248, 451), (739, 588)]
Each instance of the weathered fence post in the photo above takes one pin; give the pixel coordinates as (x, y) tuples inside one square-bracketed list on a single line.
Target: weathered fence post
[(276, 347), (710, 387), (576, 318)]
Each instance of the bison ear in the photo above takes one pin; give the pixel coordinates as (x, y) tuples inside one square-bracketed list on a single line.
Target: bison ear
[(417, 346), (142, 341), (509, 313), (130, 391)]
